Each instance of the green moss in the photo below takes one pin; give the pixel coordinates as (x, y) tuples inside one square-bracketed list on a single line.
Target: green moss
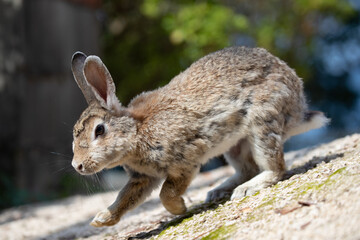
[(340, 170), (224, 232), (179, 221), (290, 184), (187, 221), (267, 202), (304, 189), (252, 217), (261, 209), (242, 201), (257, 193), (188, 216)]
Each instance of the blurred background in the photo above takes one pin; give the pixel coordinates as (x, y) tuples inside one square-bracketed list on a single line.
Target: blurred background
[(145, 44)]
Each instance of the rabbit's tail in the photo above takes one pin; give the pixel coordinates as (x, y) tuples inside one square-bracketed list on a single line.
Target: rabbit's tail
[(311, 120)]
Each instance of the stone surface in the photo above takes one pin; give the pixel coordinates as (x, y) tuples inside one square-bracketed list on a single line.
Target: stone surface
[(318, 199)]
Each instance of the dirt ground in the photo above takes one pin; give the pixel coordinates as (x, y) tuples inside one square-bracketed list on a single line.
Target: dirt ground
[(318, 199)]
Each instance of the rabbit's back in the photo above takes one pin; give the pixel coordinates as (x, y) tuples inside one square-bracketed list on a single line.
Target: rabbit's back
[(233, 79), (231, 73)]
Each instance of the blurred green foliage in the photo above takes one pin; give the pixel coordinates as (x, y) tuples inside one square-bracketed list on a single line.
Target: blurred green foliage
[(146, 43), (9, 194)]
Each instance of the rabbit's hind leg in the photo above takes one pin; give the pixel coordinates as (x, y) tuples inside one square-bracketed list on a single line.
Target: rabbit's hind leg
[(240, 157), (268, 155)]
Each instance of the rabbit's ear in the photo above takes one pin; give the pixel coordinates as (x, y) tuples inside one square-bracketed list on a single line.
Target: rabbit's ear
[(77, 66), (101, 83)]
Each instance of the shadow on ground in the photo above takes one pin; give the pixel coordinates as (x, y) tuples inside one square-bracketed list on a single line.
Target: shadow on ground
[(178, 219), (311, 164)]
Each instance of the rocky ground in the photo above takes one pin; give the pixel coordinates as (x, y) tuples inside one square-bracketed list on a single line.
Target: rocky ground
[(318, 199)]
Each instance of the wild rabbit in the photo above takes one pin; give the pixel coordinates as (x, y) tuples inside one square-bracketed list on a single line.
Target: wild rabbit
[(240, 102)]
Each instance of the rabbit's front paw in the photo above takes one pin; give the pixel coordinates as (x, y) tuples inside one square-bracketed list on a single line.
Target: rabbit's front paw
[(104, 218)]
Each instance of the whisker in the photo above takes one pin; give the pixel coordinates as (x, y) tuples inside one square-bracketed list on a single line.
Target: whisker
[(100, 186), (57, 165), (97, 178), (88, 189), (93, 187), (65, 169), (61, 154), (111, 186), (59, 160), (57, 171)]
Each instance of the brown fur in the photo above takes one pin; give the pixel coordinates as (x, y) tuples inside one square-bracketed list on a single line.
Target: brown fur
[(239, 101)]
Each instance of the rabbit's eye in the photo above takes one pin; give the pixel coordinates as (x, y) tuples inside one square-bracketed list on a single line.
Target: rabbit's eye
[(99, 130)]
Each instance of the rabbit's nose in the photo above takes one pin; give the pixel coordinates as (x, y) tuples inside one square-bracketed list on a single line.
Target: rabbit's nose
[(78, 167)]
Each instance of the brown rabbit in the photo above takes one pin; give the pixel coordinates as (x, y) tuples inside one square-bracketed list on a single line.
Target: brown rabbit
[(240, 102)]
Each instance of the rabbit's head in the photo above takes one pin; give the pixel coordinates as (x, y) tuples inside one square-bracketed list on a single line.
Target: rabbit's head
[(104, 132)]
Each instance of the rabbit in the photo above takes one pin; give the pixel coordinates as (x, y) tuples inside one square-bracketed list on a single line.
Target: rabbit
[(241, 102)]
